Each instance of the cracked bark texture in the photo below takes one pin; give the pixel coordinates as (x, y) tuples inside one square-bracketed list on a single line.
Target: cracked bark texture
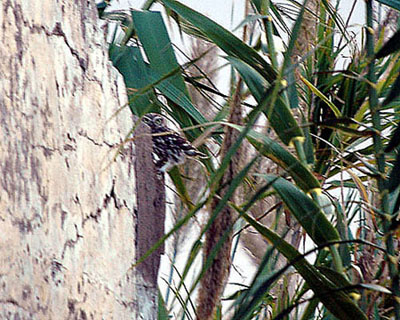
[(66, 210)]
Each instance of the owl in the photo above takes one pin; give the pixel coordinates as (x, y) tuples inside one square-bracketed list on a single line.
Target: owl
[(169, 147)]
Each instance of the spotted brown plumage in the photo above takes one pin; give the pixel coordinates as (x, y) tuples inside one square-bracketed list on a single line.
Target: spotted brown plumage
[(169, 147)]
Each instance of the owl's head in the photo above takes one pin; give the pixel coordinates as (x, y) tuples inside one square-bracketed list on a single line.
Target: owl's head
[(154, 120)]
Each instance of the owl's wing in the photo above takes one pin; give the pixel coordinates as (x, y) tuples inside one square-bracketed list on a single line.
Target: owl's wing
[(185, 145)]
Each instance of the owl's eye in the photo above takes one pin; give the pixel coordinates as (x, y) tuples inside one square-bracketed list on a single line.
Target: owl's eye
[(158, 121)]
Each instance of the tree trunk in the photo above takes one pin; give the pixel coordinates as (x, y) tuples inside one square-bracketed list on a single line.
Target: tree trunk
[(66, 208), (151, 207)]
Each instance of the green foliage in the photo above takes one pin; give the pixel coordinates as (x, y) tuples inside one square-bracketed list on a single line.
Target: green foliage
[(335, 300), (334, 144), (395, 4)]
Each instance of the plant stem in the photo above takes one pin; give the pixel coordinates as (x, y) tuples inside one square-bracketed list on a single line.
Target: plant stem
[(337, 260), (270, 39), (299, 146)]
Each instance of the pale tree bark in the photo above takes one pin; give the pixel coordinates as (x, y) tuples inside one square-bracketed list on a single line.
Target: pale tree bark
[(67, 223)]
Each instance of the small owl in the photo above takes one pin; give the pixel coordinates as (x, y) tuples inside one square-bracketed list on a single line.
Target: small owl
[(168, 146)]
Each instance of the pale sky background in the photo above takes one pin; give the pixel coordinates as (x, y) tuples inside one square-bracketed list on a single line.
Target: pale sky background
[(221, 10), (218, 10)]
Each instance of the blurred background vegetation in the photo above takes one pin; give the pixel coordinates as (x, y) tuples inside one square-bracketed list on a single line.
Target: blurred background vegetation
[(303, 152)]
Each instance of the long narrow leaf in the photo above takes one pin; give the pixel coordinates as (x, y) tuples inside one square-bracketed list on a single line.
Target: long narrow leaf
[(279, 114), (224, 39), (336, 301), (157, 45), (395, 4), (306, 211), (392, 45), (274, 151), (130, 63), (324, 98), (394, 92)]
